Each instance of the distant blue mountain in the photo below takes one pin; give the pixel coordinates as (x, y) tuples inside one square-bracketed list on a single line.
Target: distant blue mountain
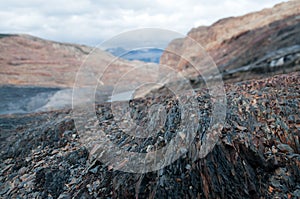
[(145, 55)]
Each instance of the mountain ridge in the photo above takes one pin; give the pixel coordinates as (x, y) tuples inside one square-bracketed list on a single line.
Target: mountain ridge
[(31, 61), (240, 41)]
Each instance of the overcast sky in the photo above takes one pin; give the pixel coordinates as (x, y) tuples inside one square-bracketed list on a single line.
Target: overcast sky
[(93, 21)]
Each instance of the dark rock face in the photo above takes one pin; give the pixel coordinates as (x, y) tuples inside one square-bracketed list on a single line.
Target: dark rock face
[(257, 155), (253, 46), (258, 43)]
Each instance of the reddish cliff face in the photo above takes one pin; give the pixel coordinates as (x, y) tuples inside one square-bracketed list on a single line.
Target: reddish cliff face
[(27, 60), (264, 39)]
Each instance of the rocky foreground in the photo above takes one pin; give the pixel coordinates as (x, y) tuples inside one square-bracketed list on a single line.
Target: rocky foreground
[(257, 155)]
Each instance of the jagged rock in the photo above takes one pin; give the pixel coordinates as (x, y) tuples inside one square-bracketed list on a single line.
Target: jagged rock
[(257, 155), (246, 47)]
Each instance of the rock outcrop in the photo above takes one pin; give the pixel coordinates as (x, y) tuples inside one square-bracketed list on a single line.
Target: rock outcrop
[(245, 47), (257, 155)]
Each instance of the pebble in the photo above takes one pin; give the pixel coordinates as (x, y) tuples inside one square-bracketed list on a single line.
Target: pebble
[(95, 169), (285, 148), (64, 196), (296, 193), (188, 167), (149, 148), (22, 171)]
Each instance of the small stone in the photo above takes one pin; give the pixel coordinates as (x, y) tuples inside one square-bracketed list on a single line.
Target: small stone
[(22, 170), (296, 193), (67, 133), (285, 148), (5, 189), (275, 183), (178, 180), (64, 196), (96, 184), (274, 150), (188, 167), (183, 150), (89, 187), (270, 189), (182, 135), (94, 170), (28, 159), (149, 148)]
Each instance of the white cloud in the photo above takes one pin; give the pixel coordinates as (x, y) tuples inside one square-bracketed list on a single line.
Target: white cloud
[(90, 22)]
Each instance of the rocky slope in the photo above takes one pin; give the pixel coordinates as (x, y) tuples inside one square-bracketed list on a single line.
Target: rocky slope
[(27, 60), (257, 156), (31, 61), (248, 46)]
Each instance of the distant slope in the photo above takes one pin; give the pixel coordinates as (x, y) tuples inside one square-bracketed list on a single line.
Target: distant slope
[(245, 47), (146, 55), (28, 60), (38, 75)]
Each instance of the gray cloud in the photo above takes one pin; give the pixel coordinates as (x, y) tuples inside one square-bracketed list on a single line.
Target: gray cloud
[(91, 22)]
